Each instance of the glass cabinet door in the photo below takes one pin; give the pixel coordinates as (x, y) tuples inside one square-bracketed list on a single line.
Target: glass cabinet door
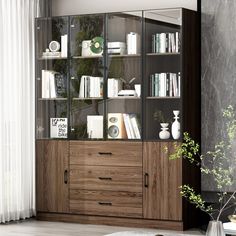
[(124, 76), (51, 78), (87, 77), (162, 76)]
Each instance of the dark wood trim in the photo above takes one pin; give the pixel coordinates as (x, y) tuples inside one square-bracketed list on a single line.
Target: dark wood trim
[(116, 221)]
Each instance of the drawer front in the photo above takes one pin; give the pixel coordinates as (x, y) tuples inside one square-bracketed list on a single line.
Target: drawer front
[(106, 178), (113, 153), (107, 203)]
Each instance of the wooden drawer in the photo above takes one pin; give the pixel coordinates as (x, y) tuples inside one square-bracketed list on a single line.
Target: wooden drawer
[(113, 153), (107, 203), (106, 178)]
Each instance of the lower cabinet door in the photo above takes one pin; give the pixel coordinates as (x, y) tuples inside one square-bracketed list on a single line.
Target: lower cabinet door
[(52, 176), (108, 203), (162, 178)]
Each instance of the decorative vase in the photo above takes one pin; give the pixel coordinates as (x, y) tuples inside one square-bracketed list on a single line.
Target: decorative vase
[(175, 128), (164, 133), (215, 228)]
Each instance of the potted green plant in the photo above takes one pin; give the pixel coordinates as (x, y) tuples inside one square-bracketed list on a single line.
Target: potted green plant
[(215, 164)]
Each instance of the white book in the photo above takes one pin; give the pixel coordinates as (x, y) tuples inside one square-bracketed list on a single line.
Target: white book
[(171, 85), (177, 42), (95, 126), (45, 84), (127, 127), (130, 126), (179, 85), (162, 85), (58, 127), (82, 85), (110, 82), (129, 43), (162, 43), (134, 122), (175, 85), (52, 84), (64, 39), (91, 87)]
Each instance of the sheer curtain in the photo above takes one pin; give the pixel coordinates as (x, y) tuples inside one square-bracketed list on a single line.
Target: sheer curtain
[(17, 155)]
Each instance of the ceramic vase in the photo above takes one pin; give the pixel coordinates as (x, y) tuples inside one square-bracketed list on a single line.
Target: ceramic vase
[(164, 133), (175, 128), (215, 228)]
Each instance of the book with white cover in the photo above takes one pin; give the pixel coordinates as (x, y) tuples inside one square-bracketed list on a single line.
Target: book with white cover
[(64, 39), (162, 43), (127, 126), (81, 89), (134, 123), (45, 84), (58, 127), (95, 126), (52, 84)]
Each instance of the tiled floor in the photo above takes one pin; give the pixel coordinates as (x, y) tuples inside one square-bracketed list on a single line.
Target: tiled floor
[(42, 228)]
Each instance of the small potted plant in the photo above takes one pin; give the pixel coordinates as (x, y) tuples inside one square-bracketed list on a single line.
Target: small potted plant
[(215, 164)]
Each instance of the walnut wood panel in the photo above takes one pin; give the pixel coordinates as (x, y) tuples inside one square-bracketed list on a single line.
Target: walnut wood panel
[(106, 203), (51, 164), (109, 220), (106, 178), (161, 197), (113, 153)]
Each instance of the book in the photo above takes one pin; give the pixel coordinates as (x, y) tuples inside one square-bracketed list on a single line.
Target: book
[(64, 39), (134, 122), (58, 127), (95, 126), (127, 125)]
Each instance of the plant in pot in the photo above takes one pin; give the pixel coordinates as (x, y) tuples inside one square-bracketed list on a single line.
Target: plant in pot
[(215, 164)]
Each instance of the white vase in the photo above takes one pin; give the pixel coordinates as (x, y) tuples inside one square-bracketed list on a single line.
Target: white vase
[(164, 133), (215, 228), (175, 128)]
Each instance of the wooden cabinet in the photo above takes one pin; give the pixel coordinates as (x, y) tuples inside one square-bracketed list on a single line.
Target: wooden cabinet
[(52, 176), (162, 178)]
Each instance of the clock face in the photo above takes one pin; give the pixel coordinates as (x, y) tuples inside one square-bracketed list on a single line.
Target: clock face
[(113, 131)]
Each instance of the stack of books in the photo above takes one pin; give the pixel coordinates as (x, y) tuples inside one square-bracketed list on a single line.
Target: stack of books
[(114, 85), (165, 85), (132, 126), (165, 43), (53, 84), (91, 87)]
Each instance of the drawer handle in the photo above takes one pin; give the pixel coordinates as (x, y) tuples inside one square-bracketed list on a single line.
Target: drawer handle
[(65, 177), (105, 178), (105, 153), (146, 177), (105, 203)]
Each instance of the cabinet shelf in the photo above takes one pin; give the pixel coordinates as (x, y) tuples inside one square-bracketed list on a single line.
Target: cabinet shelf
[(51, 58), (87, 98), (52, 99), (123, 98), (109, 55), (164, 54), (158, 98)]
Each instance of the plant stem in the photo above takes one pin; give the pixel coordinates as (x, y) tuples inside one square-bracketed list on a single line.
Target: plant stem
[(225, 205)]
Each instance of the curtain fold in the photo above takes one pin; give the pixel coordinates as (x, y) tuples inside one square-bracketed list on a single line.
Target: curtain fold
[(17, 133)]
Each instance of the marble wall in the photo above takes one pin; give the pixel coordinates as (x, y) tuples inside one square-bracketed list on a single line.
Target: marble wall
[(218, 71)]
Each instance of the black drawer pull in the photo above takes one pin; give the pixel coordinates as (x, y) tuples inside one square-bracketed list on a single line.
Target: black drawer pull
[(65, 177), (146, 180), (105, 203), (105, 178), (105, 153)]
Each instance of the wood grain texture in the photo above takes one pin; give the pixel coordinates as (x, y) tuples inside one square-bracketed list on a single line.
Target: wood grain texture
[(106, 203), (111, 178), (109, 220), (121, 153), (51, 162), (161, 199)]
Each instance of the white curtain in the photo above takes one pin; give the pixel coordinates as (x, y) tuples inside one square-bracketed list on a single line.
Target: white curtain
[(17, 153)]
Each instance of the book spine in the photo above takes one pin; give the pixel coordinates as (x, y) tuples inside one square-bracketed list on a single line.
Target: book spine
[(125, 118), (64, 41), (136, 127), (162, 43), (157, 43)]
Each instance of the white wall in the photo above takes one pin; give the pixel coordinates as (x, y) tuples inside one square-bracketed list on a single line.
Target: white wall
[(73, 7)]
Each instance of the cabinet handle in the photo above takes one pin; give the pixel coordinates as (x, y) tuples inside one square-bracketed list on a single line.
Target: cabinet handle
[(105, 153), (65, 177), (105, 203), (105, 178), (146, 177)]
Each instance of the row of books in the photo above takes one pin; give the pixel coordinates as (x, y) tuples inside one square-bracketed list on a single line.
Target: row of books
[(114, 85), (165, 85), (91, 87), (132, 126), (166, 43), (53, 84)]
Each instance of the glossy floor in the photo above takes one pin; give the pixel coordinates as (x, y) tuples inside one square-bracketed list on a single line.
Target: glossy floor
[(42, 228)]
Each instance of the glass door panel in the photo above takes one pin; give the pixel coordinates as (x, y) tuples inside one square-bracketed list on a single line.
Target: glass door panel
[(51, 77), (87, 77), (162, 76), (124, 75)]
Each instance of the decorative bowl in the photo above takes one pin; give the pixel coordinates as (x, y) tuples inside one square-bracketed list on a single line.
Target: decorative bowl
[(232, 218)]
